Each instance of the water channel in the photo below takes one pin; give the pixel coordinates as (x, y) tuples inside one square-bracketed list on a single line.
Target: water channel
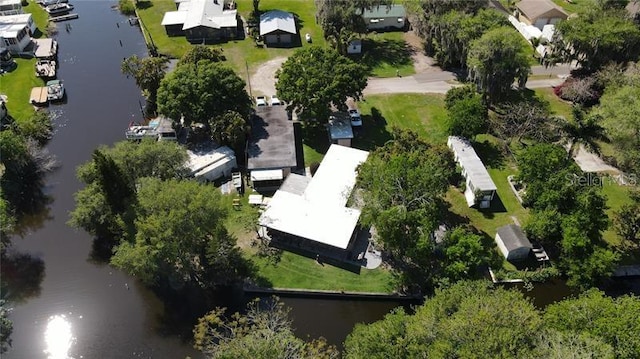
[(83, 309)]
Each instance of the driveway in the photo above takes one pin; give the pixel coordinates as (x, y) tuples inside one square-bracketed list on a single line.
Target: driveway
[(263, 81)]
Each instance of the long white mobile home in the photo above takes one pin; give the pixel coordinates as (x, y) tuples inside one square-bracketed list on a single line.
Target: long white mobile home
[(480, 188)]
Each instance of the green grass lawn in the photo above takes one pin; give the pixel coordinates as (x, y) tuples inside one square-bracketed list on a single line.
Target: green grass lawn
[(17, 86), (557, 105), (574, 5), (40, 18), (385, 53)]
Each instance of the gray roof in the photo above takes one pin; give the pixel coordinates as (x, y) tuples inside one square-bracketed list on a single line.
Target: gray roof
[(533, 9), (472, 164), (340, 127), (277, 20), (295, 184), (272, 141), (385, 11), (513, 237)]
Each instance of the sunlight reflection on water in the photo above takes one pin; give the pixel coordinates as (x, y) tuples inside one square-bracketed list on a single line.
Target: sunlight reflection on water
[(58, 337)]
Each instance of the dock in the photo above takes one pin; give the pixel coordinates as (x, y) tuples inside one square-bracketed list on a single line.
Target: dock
[(64, 17)]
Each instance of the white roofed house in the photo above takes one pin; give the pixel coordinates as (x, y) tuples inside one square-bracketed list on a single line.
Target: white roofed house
[(315, 220), (15, 32), (203, 21), (480, 188), (278, 27)]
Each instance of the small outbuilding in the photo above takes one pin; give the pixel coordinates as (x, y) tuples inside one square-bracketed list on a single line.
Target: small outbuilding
[(340, 130), (539, 13), (513, 243), (391, 17), (278, 27), (212, 164)]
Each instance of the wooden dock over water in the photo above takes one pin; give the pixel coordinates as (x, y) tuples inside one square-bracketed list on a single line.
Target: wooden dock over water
[(64, 17)]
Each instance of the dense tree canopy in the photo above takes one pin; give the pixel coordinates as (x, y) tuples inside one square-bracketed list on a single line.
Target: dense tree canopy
[(180, 235), (468, 115), (474, 320), (626, 221), (264, 332), (202, 92), (198, 53), (313, 79), (568, 213), (595, 38), (497, 60), (614, 321), (404, 183), (6, 327), (619, 113), (148, 72)]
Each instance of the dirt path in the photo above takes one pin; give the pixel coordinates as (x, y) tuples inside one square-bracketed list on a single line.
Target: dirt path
[(263, 81), (421, 63)]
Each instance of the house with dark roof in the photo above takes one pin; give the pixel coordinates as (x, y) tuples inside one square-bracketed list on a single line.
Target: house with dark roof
[(278, 27), (392, 17), (513, 243), (539, 13), (271, 152)]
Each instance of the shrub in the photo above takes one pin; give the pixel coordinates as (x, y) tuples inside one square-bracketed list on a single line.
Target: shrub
[(126, 7)]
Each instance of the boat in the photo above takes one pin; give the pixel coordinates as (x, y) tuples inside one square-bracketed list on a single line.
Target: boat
[(51, 2), (58, 9), (55, 90), (46, 68)]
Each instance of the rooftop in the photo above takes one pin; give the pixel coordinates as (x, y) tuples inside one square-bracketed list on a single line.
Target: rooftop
[(277, 20), (513, 237), (317, 211), (200, 160), (272, 140), (533, 9), (340, 128), (394, 10), (207, 13), (472, 164)]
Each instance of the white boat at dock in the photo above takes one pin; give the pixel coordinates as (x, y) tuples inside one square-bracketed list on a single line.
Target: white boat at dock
[(46, 68), (51, 2), (58, 9), (55, 90)]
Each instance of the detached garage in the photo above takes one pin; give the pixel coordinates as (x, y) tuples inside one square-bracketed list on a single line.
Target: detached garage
[(278, 28)]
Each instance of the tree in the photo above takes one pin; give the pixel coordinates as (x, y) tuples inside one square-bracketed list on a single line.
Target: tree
[(597, 316), (404, 183), (118, 191), (199, 53), (230, 129), (626, 221), (595, 38), (583, 131), (264, 332), (38, 127), (342, 21), (454, 31), (554, 344), (148, 72), (202, 92), (314, 79), (544, 227), (467, 117), (180, 237), (464, 253), (466, 320), (496, 60), (518, 120), (619, 113), (6, 327)]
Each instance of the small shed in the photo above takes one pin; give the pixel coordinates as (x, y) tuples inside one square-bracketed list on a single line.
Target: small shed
[(513, 243), (540, 12), (391, 17), (278, 27), (340, 130)]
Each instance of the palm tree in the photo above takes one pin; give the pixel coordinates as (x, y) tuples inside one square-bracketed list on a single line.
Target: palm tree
[(583, 131)]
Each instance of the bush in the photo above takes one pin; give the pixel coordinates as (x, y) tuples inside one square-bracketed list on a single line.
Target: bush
[(579, 90), (126, 7)]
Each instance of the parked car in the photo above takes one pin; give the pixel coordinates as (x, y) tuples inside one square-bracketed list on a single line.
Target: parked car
[(275, 101), (356, 119), (261, 101)]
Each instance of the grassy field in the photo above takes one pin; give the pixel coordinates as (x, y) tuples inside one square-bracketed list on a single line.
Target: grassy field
[(385, 53)]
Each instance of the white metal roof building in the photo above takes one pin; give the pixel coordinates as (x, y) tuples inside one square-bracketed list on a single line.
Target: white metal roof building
[(193, 14), (319, 214), (476, 174), (278, 27)]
